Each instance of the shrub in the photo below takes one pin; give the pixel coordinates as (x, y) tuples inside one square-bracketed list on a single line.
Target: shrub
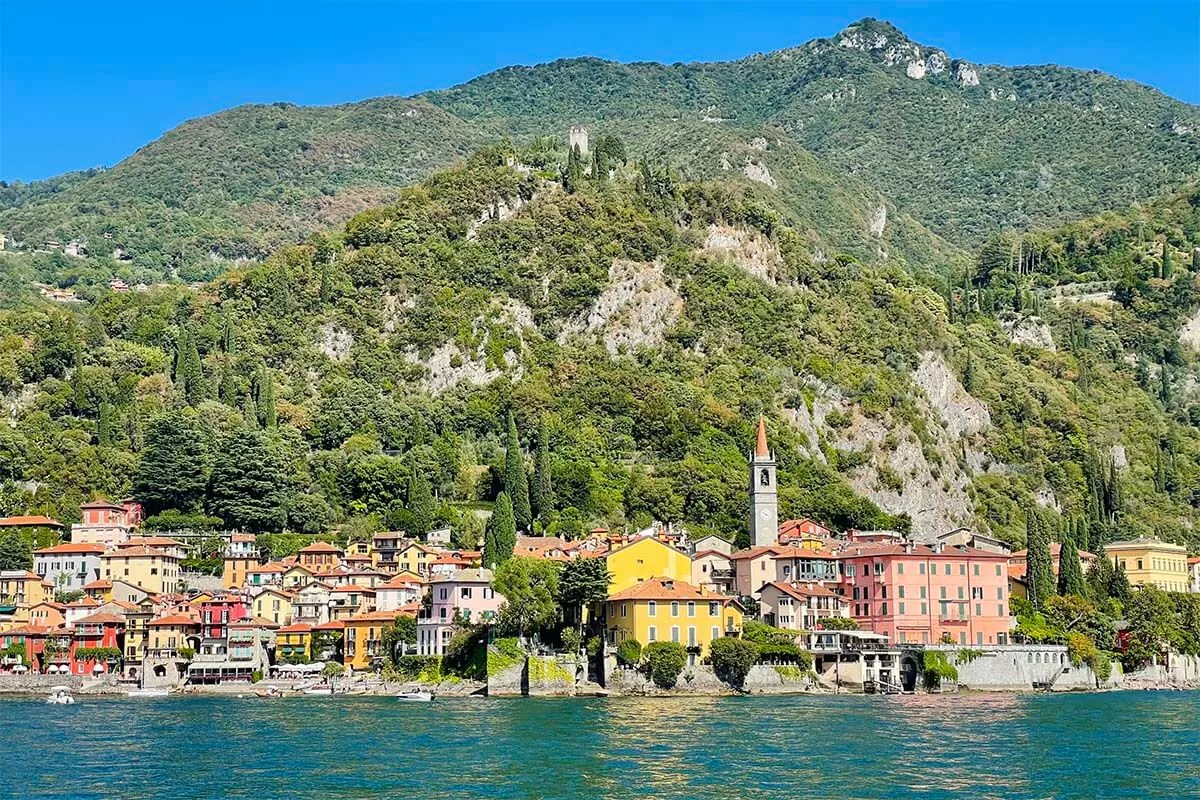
[(629, 652), (572, 640), (937, 668), (409, 667), (256, 676), (732, 659), (664, 662)]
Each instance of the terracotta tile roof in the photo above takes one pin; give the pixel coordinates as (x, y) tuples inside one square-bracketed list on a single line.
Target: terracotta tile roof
[(102, 618), (24, 574), (320, 547), (173, 619), (32, 521), (401, 581), (100, 502), (254, 622), (332, 625), (803, 591), (1055, 552), (243, 537), (374, 616), (264, 568), (29, 630), (137, 551), (353, 587), (667, 589), (296, 627), (97, 584), (71, 548), (703, 553), (409, 609), (84, 602)]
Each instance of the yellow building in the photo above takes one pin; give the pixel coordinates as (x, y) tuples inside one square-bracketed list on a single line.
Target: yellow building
[(21, 589), (155, 571), (167, 635), (362, 642), (293, 643), (1151, 562), (274, 605), (137, 620), (297, 576), (669, 610), (644, 559), (416, 558)]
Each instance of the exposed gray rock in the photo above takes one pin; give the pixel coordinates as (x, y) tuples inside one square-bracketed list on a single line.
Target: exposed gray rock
[(961, 413), (748, 249), (334, 341), (636, 309)]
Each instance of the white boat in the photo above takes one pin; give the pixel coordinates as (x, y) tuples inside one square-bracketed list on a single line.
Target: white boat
[(415, 696), (60, 696), (319, 690), (147, 693)]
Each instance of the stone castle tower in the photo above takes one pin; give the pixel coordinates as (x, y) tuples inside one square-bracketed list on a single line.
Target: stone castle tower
[(764, 492), (578, 135)]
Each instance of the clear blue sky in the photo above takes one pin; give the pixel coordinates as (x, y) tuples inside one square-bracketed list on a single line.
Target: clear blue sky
[(86, 83)]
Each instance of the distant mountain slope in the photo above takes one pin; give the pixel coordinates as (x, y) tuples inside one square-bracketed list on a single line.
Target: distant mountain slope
[(965, 148), (945, 145)]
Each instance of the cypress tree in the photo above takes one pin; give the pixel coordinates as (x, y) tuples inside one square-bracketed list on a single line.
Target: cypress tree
[(104, 428), (573, 175), (189, 372), (1166, 261), (501, 534), (264, 397), (541, 493), (1070, 571), (420, 501), (516, 482), (1039, 570), (227, 389)]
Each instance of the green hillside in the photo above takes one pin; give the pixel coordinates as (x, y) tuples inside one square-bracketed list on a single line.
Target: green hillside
[(635, 327)]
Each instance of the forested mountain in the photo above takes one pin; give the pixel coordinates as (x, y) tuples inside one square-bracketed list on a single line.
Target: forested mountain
[(836, 129), (635, 324)]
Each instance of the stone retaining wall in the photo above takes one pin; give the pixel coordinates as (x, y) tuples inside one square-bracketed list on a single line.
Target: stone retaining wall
[(40, 684)]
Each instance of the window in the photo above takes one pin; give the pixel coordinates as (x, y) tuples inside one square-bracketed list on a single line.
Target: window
[(716, 633), (674, 633), (651, 610), (902, 614), (997, 570), (691, 609), (652, 634), (900, 568), (1139, 563), (764, 477), (976, 592), (999, 611), (924, 608), (922, 588), (901, 590), (999, 592), (878, 567), (855, 592), (960, 593), (883, 592), (883, 609), (976, 570), (624, 609), (947, 569), (692, 636), (714, 609), (465, 592), (979, 609), (866, 593), (943, 592), (674, 608), (921, 568), (444, 593)]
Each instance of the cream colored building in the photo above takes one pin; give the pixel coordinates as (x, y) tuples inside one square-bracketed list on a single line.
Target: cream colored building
[(147, 568)]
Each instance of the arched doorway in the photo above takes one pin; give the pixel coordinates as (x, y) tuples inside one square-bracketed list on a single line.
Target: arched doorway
[(908, 672), (160, 671)]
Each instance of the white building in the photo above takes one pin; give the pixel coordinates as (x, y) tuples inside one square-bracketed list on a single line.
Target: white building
[(70, 566)]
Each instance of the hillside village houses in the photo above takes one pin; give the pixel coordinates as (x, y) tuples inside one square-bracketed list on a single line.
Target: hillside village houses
[(133, 611)]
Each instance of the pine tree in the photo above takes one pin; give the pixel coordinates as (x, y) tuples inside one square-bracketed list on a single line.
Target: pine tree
[(1070, 571), (249, 486), (516, 482), (969, 378), (420, 502), (541, 493), (599, 166), (1039, 566), (250, 411), (501, 534)]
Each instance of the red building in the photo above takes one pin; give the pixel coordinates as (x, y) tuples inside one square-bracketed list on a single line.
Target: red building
[(218, 613), (101, 630), (925, 594)]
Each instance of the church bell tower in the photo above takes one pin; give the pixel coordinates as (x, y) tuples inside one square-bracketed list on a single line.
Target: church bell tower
[(764, 492)]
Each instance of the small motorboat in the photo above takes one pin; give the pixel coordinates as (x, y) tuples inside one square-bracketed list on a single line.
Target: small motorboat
[(319, 690), (415, 696), (270, 691), (60, 696), (147, 693)]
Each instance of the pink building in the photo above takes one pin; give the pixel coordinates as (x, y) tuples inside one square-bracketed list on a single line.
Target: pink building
[(217, 614), (89, 634), (103, 523), (467, 595), (921, 594)]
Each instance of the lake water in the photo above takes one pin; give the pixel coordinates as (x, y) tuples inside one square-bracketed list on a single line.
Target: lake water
[(1121, 744)]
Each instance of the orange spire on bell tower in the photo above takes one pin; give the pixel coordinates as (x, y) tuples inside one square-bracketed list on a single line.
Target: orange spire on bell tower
[(761, 448)]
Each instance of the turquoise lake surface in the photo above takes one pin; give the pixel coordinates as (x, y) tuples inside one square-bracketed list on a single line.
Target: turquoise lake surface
[(1120, 744)]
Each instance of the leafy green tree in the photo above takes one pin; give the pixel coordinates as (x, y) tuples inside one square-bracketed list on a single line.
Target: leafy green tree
[(1153, 625), (530, 587), (16, 551), (248, 486), (584, 581), (1070, 571), (516, 482), (663, 663), (629, 652), (500, 536), (173, 472), (732, 659), (541, 491), (398, 637)]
